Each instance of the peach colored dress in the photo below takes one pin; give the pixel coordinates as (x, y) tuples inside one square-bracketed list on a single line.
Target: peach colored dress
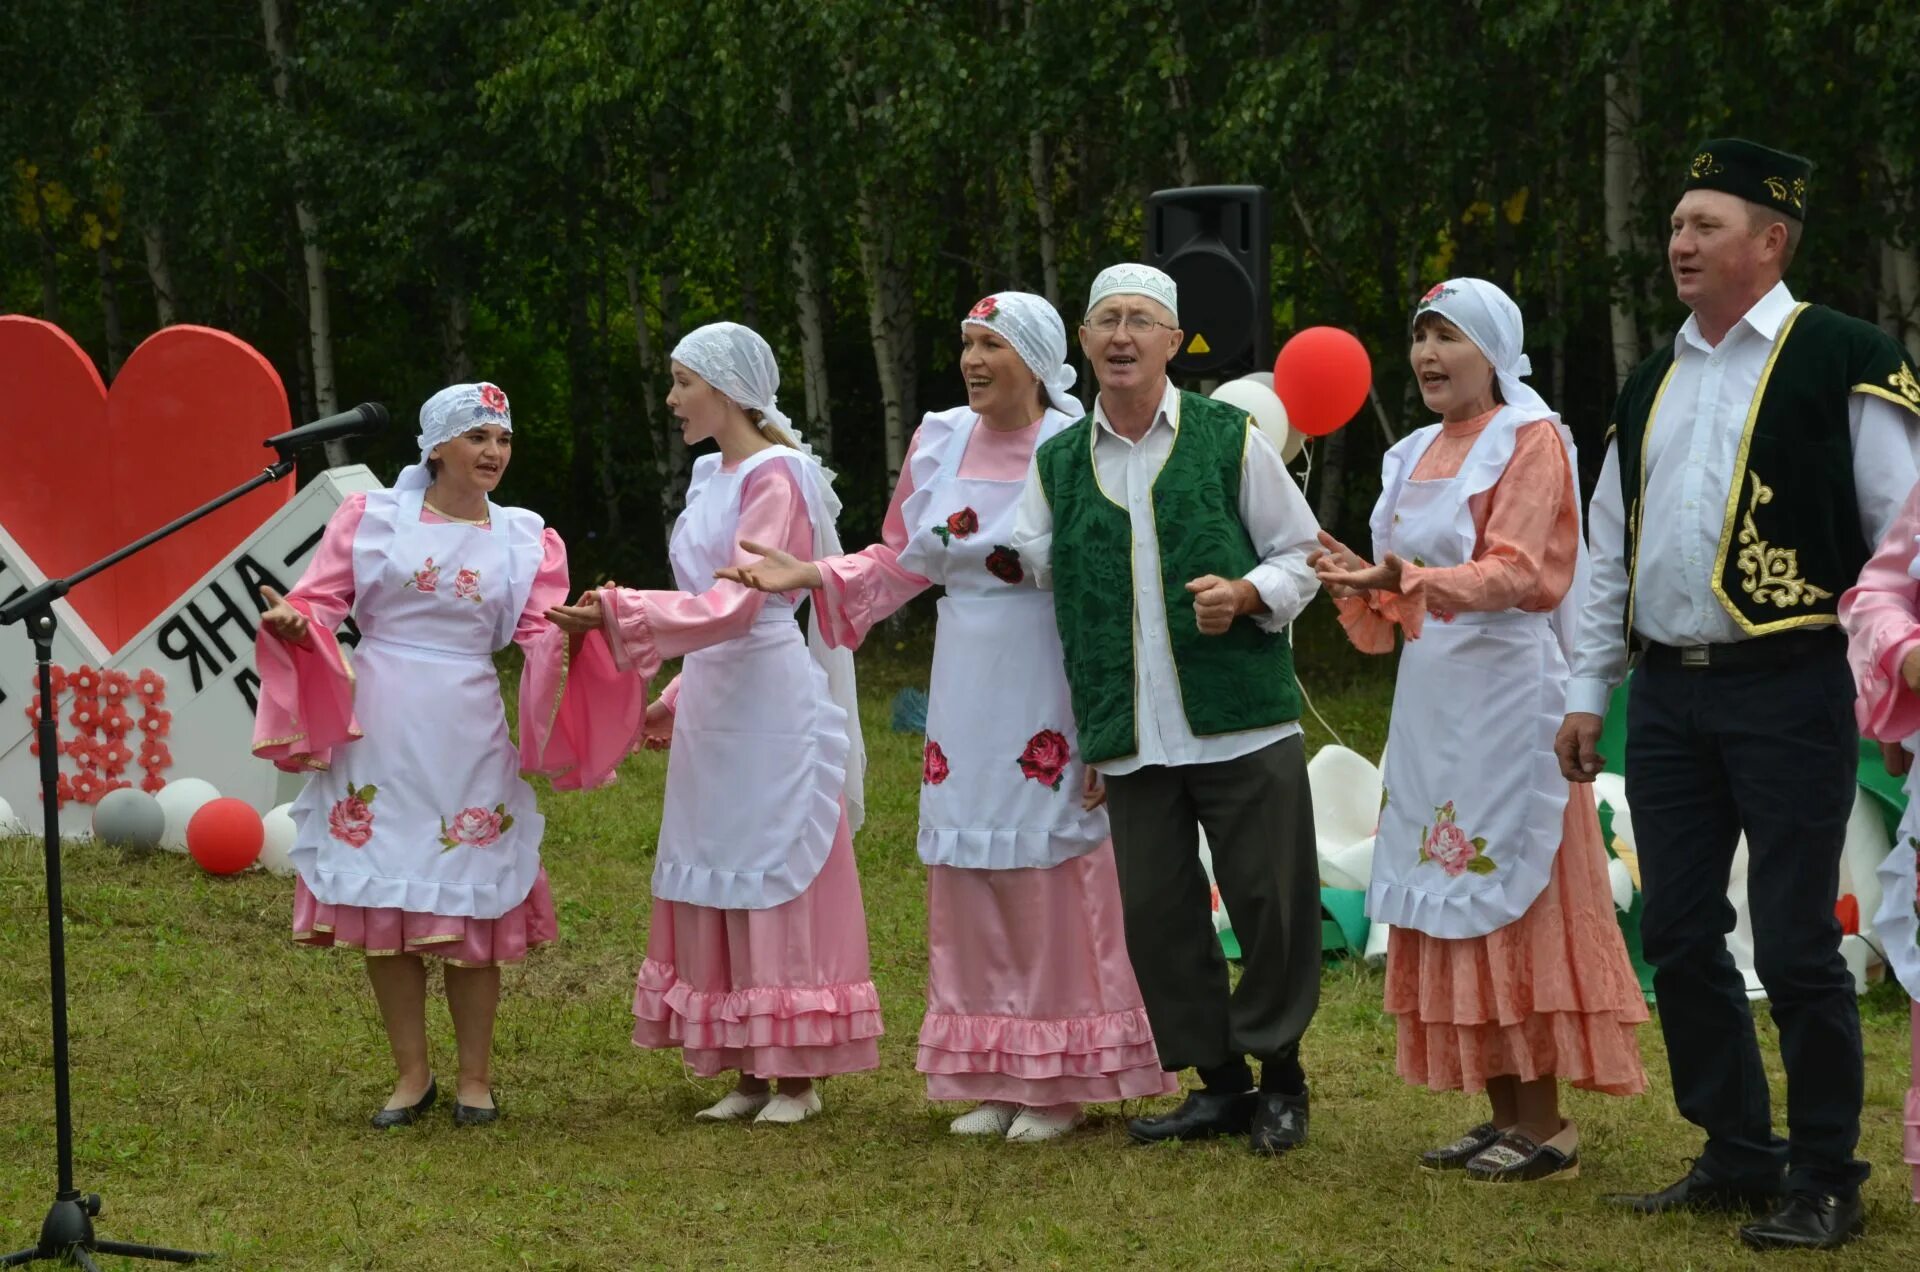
[(1552, 992)]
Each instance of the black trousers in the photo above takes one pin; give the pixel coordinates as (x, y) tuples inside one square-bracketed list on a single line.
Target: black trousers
[(1258, 815), (1772, 751)]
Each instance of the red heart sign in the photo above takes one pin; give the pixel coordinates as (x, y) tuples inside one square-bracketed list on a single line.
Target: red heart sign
[(88, 470)]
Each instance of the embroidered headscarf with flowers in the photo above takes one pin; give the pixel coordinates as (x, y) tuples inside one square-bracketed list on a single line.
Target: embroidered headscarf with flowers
[(446, 415), (1033, 328), (1488, 317)]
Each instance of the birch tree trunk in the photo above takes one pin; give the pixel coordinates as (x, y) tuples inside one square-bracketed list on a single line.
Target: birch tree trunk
[(1621, 183), (1040, 175), (326, 398), (456, 322), (674, 462), (808, 294), (166, 305), (110, 310), (880, 329)]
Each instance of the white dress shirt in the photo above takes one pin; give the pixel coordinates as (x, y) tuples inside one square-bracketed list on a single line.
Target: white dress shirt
[(1277, 520), (1692, 450)]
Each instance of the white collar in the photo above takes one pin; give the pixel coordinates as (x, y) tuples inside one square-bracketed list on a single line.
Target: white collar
[(1169, 411), (1764, 319)]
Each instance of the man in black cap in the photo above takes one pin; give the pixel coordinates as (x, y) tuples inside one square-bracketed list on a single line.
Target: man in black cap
[(1750, 469)]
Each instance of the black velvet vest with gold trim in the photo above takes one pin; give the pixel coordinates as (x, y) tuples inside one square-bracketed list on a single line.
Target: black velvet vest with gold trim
[(1790, 543)]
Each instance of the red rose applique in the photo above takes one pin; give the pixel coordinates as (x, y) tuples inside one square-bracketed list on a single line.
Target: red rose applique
[(351, 819), (1045, 758), (987, 310), (493, 398), (933, 766), (958, 526), (1004, 564)]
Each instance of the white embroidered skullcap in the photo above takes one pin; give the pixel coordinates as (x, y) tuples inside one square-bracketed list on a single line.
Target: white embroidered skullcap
[(1034, 329), (1132, 279), (736, 361), (449, 413), (1488, 317)]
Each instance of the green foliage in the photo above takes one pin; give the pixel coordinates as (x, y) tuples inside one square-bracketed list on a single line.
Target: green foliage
[(550, 193)]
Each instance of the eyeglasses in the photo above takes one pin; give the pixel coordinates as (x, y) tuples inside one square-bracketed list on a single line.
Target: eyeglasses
[(1136, 324)]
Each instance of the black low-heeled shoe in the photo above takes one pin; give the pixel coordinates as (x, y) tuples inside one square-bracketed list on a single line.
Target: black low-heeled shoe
[(1456, 1155), (473, 1115), (407, 1115)]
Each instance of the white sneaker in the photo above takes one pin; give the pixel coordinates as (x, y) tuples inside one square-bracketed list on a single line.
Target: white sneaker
[(1035, 1125), (991, 1118), (784, 1109), (733, 1106)]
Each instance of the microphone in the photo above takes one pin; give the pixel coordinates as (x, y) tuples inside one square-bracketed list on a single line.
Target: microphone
[(368, 417)]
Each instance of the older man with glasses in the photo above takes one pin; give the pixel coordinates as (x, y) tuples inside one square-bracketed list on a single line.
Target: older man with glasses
[(1176, 546)]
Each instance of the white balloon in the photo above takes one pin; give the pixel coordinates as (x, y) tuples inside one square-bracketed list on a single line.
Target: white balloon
[(9, 824), (180, 799), (1269, 414), (277, 848), (1262, 378), (130, 817)]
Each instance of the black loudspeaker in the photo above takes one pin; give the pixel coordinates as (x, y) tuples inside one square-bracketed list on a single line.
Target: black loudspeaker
[(1213, 241)]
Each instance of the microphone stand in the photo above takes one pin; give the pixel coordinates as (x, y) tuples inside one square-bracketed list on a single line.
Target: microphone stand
[(67, 1232)]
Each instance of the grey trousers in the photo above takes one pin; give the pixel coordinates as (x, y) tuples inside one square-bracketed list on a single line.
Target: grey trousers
[(1258, 815)]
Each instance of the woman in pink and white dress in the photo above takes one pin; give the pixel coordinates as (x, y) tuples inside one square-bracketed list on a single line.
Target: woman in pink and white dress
[(1032, 1006), (1881, 615), (757, 955), (416, 835)]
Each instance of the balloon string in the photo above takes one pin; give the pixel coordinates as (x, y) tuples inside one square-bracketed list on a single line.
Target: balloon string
[(1306, 450)]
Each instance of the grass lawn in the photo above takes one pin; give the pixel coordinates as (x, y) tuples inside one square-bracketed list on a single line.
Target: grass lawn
[(222, 1078)]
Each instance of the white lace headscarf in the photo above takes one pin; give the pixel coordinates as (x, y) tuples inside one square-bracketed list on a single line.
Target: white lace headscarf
[(738, 362), (446, 415), (1488, 317), (1033, 328)]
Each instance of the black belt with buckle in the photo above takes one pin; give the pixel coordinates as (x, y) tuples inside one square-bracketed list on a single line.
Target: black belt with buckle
[(1760, 652)]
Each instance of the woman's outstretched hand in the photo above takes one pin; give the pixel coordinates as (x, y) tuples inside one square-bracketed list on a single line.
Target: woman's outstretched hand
[(579, 618), (280, 618), (776, 571), (1333, 562)]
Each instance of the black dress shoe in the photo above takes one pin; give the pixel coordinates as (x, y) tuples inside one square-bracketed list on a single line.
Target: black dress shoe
[(1699, 1191), (1456, 1155), (1279, 1123), (1202, 1115), (1808, 1221), (408, 1114), (473, 1114)]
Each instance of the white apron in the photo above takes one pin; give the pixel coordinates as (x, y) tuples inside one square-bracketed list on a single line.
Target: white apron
[(1002, 778), (761, 750), (1474, 797), (427, 811), (1897, 925)]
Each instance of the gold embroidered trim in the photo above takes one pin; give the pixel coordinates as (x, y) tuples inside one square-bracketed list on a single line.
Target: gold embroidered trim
[(1772, 575), (1904, 390), (559, 694), (1734, 489)]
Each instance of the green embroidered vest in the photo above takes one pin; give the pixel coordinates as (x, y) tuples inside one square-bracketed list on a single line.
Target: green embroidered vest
[(1239, 680), (1790, 542)]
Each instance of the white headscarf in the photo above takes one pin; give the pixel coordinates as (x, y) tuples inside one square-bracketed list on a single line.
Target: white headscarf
[(1488, 317), (738, 362), (446, 415), (1034, 329)]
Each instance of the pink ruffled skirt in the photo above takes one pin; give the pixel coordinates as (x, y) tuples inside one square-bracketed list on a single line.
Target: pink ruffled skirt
[(1551, 993), (1030, 996), (463, 942), (779, 993)]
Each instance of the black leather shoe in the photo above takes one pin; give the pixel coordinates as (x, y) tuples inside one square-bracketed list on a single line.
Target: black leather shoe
[(1701, 1192), (1279, 1123), (408, 1114), (473, 1115), (1807, 1222), (1456, 1155), (1202, 1115)]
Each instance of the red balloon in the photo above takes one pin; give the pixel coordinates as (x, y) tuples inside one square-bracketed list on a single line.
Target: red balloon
[(225, 836), (1322, 376)]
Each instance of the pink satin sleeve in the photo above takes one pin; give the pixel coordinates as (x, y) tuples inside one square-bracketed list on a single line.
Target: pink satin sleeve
[(644, 628), (306, 690), (579, 714), (859, 589), (1881, 616)]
